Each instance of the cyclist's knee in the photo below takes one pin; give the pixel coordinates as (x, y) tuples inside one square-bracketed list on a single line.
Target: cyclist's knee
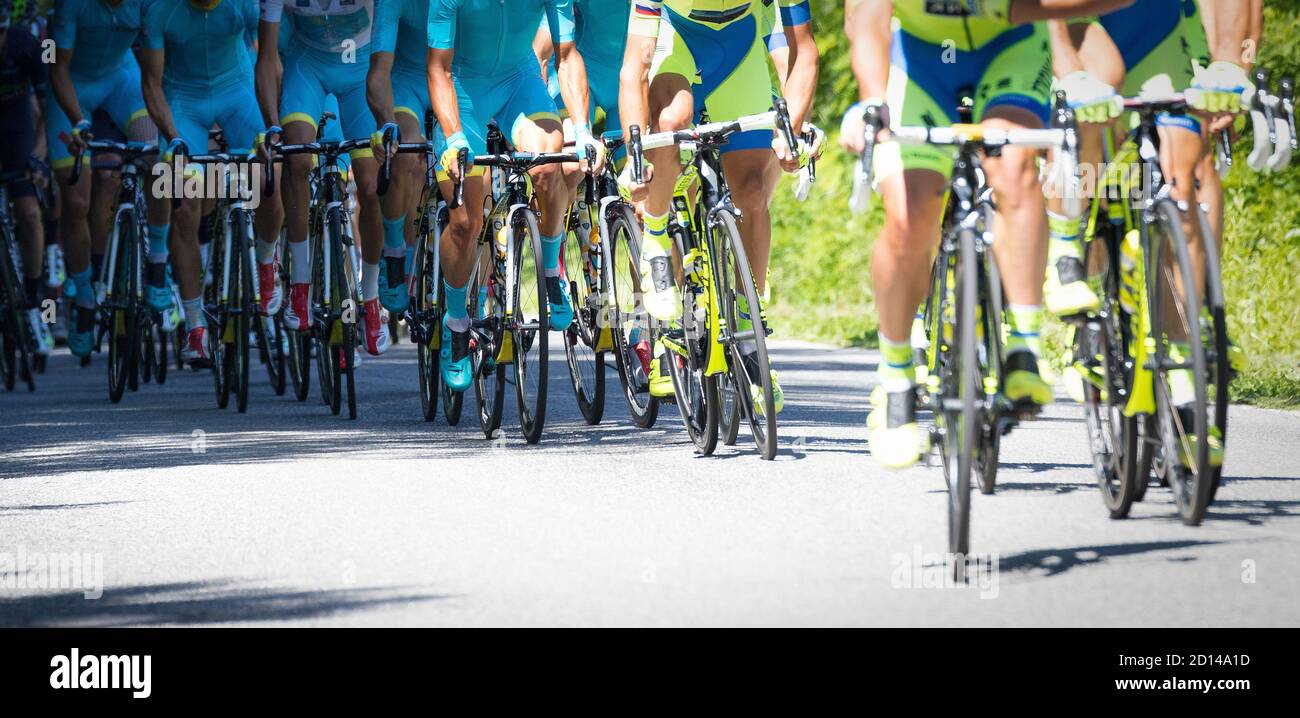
[(462, 225), (675, 116), (1014, 178), (297, 167), (27, 211), (547, 179)]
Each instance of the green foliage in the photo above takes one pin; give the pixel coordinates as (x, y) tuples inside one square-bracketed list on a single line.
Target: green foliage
[(821, 269)]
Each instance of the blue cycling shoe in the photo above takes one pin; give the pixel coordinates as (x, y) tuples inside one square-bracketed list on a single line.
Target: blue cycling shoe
[(81, 339), (454, 360), (158, 290), (557, 294), (394, 297)]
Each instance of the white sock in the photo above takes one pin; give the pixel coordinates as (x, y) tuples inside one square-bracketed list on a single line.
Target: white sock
[(369, 281)]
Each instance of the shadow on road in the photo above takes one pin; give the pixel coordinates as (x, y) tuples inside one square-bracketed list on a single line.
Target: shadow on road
[(1046, 563), (197, 603)]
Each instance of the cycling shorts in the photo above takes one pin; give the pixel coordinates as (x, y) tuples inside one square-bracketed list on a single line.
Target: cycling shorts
[(117, 93), (308, 78), (726, 66), (233, 108), (1153, 38), (509, 100), (1014, 69)]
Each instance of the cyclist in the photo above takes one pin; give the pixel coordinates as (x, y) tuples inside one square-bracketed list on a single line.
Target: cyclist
[(398, 93), (329, 53), (22, 84), (194, 76), (482, 68), (907, 66), (1157, 45), (95, 69), (714, 49)]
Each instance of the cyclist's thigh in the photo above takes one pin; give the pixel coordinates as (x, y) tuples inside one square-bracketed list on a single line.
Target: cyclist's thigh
[(237, 114), (1150, 36), (302, 94), (913, 200), (672, 74), (410, 103), (18, 128), (1017, 80), (475, 101), (125, 104), (529, 115)]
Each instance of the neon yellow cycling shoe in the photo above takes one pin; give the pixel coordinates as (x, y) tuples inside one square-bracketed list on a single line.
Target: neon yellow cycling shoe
[(1187, 447), (1023, 381), (661, 383), (895, 439), (1065, 292), (778, 396), (659, 293)]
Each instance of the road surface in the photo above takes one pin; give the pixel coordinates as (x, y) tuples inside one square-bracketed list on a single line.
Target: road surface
[(183, 514)]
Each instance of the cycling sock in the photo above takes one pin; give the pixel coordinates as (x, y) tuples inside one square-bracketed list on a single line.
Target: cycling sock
[(369, 281), (551, 254), (300, 254), (919, 339), (395, 237), (1182, 389), (1025, 321), (1064, 242), (656, 229), (457, 316), (193, 312), (265, 252), (410, 259), (482, 301), (896, 372), (158, 242), (85, 293)]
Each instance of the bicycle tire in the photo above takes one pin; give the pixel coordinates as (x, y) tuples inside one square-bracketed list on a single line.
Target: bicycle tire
[(960, 425), (762, 424), (245, 302), (17, 355), (1192, 485), (695, 391), (123, 322), (531, 371), (1215, 329), (489, 374), (989, 352), (585, 275), (622, 247), (425, 327)]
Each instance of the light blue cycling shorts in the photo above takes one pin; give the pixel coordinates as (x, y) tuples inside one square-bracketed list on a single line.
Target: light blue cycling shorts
[(509, 100), (233, 108), (117, 94), (308, 78)]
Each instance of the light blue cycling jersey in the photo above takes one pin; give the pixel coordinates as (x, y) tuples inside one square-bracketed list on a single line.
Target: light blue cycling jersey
[(204, 48), (492, 38), (600, 31), (326, 27), (401, 27), (101, 36)]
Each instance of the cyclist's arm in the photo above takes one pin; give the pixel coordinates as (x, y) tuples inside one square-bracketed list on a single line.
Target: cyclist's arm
[(61, 85), (801, 83), (268, 70), (155, 101), (634, 77), (1026, 11), (573, 82), (543, 48), (1229, 26), (867, 23), (1085, 47), (379, 88)]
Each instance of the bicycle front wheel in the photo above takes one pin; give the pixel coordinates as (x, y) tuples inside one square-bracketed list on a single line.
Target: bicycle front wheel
[(583, 271), (124, 322), (632, 329), (959, 400), (530, 324)]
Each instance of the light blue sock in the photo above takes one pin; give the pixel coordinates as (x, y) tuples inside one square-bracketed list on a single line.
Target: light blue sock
[(551, 254), (410, 259), (395, 237), (457, 316), (85, 293), (158, 242)]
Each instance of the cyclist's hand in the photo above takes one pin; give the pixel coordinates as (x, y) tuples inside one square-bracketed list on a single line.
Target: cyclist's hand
[(853, 130), (992, 9), (1093, 101), (80, 136), (818, 142), (591, 152), (636, 192), (1221, 87), (1223, 122), (791, 159), (269, 136), (450, 158), (173, 147), (377, 139)]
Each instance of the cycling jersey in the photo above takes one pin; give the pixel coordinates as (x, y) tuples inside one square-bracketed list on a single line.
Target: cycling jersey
[(205, 75), (21, 74), (494, 70), (600, 34), (940, 21), (104, 71), (328, 53)]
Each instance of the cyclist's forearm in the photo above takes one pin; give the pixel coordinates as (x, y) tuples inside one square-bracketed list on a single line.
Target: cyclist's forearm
[(801, 84), (61, 83), (543, 48), (1228, 26), (573, 83), (379, 88), (155, 100), (867, 23), (1026, 11), (267, 72), (634, 83), (443, 92)]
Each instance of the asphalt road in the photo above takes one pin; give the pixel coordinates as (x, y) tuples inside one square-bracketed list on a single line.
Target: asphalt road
[(287, 515)]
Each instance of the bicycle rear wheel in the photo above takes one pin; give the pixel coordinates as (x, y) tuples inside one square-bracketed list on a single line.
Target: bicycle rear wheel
[(633, 331), (16, 355), (686, 354), (242, 301), (1214, 330), (1176, 311), (531, 325), (750, 367)]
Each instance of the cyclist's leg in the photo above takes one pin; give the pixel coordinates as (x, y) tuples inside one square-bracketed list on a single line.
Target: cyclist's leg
[(302, 100), (534, 125), (14, 154), (192, 118), (1014, 91), (399, 203)]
